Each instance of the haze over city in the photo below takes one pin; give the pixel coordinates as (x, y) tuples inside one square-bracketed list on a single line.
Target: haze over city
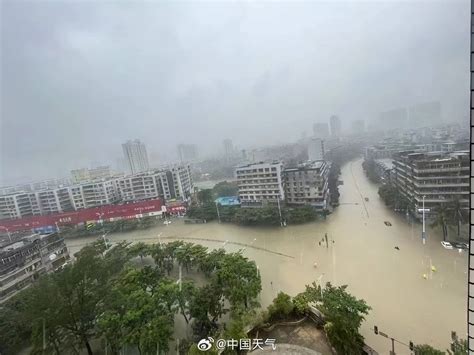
[(78, 79)]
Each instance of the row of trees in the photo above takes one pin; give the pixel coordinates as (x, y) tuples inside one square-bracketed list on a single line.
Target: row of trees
[(268, 215), (338, 156), (106, 295), (123, 225), (370, 170), (449, 214)]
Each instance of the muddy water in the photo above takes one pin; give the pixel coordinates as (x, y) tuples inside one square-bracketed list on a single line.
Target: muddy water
[(405, 305)]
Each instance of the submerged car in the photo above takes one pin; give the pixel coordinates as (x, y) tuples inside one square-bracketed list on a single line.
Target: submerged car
[(447, 245), (460, 245)]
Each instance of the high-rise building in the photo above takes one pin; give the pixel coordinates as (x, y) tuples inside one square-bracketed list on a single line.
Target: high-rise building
[(228, 148), (335, 123), (307, 184), (136, 156), (440, 177), (316, 149), (187, 153), (320, 130), (260, 183)]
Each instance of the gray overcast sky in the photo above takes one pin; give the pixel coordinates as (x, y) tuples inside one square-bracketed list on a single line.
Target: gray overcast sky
[(80, 77)]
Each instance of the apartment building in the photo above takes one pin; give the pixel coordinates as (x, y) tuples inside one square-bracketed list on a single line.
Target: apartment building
[(307, 184), (54, 200), (94, 193), (260, 183), (182, 182), (440, 177), (18, 205), (139, 187), (23, 261), (168, 183), (136, 156)]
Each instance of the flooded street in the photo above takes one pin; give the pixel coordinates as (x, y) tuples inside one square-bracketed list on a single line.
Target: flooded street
[(404, 304)]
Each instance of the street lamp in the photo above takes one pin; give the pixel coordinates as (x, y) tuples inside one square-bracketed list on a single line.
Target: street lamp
[(423, 210), (279, 211), (57, 227), (8, 232)]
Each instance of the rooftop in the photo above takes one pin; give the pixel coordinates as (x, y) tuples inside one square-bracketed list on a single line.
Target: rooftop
[(309, 165)]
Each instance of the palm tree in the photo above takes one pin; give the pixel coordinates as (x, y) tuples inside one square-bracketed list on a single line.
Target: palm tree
[(441, 220)]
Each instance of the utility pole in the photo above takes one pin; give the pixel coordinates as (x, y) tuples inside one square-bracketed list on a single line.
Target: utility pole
[(279, 210), (218, 214), (423, 233)]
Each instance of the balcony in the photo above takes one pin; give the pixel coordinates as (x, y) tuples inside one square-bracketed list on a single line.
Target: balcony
[(434, 170)]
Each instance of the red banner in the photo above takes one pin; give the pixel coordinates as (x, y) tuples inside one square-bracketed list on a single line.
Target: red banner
[(129, 210)]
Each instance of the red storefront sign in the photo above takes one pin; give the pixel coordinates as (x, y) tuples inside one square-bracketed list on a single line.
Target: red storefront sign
[(115, 212)]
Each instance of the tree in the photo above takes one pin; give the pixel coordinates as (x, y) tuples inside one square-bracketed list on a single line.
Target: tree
[(206, 307), (427, 350), (139, 249), (344, 315), (456, 214), (206, 196), (140, 311), (206, 211), (300, 214), (300, 302), (225, 188), (458, 346), (281, 308), (442, 220), (239, 280)]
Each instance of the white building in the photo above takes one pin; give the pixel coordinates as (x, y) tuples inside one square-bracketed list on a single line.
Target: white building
[(54, 200), (93, 194), (260, 183), (316, 149), (136, 156), (169, 183), (18, 205)]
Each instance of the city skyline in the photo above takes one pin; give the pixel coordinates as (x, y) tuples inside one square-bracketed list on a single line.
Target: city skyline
[(89, 107)]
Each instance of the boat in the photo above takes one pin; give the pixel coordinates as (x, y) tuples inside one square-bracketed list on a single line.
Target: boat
[(387, 223)]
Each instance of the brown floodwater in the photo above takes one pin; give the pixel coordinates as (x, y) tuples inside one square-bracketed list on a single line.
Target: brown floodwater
[(405, 305)]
